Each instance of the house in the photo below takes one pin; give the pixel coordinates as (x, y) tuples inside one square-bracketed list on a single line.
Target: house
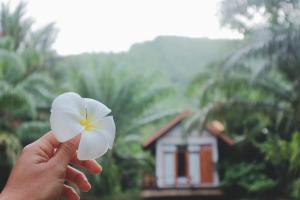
[(185, 164)]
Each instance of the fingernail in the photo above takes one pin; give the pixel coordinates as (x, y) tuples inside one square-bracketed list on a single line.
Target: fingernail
[(100, 168), (87, 187)]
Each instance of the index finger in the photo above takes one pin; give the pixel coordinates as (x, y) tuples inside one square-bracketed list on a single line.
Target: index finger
[(50, 139), (48, 143), (91, 165)]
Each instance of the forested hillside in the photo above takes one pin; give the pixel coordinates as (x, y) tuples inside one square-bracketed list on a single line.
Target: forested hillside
[(177, 58)]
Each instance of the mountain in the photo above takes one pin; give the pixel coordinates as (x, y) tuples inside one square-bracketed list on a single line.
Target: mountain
[(178, 58)]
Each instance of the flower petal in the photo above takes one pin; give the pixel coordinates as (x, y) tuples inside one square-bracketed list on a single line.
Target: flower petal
[(70, 102), (65, 125), (107, 127), (92, 145), (95, 109)]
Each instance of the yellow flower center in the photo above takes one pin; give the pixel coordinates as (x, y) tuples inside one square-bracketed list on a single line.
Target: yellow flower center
[(87, 124)]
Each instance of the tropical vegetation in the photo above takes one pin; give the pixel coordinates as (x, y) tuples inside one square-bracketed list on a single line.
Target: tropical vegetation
[(251, 85), (255, 91)]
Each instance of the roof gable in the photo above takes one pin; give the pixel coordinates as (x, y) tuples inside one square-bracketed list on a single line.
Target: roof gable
[(215, 128)]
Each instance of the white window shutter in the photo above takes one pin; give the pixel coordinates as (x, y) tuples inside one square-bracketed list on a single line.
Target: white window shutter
[(169, 170), (194, 164)]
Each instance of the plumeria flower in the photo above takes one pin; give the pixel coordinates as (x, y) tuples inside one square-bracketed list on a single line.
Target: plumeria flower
[(72, 115)]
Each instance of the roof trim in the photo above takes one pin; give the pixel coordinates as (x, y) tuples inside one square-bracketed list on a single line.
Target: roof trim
[(210, 127), (165, 129), (220, 134)]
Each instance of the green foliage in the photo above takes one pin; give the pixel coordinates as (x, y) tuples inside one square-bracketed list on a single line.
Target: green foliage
[(248, 178), (123, 196), (177, 59), (280, 152), (25, 87), (295, 191), (255, 92), (14, 24), (23, 83), (242, 15), (136, 100), (27, 69), (284, 156), (30, 131), (109, 181), (9, 149), (133, 98)]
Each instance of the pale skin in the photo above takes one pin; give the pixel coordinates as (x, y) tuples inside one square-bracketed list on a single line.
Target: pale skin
[(43, 168)]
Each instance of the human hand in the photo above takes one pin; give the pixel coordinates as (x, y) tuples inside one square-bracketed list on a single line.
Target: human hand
[(42, 169)]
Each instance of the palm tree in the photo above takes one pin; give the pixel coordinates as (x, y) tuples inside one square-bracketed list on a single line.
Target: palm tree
[(255, 91), (135, 100), (25, 57), (25, 92), (275, 73), (263, 75)]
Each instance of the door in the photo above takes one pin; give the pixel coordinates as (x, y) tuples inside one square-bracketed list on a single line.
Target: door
[(206, 165)]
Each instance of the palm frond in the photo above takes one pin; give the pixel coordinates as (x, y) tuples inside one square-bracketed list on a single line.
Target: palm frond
[(14, 24), (11, 100), (11, 66), (9, 148), (30, 131)]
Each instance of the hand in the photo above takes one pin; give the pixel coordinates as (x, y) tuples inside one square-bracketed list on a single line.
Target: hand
[(42, 169)]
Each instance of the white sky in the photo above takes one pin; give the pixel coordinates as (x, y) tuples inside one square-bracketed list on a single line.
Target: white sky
[(114, 25)]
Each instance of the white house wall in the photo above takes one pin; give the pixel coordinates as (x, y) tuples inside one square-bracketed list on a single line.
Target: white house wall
[(193, 140)]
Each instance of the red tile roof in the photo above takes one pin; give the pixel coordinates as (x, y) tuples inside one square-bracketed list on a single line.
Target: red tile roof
[(215, 128)]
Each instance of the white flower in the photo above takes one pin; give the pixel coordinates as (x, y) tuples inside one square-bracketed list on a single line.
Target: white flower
[(72, 115)]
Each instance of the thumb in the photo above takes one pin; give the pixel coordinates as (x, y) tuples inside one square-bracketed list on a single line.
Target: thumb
[(66, 151)]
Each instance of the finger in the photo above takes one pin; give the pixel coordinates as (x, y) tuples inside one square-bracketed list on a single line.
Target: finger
[(46, 143), (50, 138), (70, 193), (66, 151), (78, 178), (91, 165)]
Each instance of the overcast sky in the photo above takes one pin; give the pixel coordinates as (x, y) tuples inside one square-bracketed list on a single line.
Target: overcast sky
[(114, 25)]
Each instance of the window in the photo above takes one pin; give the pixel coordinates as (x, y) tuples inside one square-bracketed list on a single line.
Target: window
[(181, 161)]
